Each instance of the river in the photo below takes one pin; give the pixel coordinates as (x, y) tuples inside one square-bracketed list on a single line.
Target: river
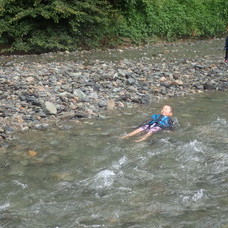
[(86, 176)]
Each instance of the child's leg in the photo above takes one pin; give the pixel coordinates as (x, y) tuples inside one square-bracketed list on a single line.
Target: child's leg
[(226, 55), (135, 132), (144, 137), (151, 132)]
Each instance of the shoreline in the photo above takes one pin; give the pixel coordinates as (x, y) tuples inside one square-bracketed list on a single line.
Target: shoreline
[(34, 94)]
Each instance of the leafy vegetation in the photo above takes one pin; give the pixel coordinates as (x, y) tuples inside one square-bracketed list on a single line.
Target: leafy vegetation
[(52, 25), (47, 25), (173, 19)]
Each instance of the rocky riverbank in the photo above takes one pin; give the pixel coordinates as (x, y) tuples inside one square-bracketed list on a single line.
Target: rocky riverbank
[(33, 94)]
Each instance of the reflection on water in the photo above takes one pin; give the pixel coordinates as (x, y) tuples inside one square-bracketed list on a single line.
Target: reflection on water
[(88, 177)]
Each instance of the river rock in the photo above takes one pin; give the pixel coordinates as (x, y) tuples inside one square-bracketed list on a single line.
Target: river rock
[(30, 79), (178, 82), (131, 81), (209, 86), (80, 94), (49, 108), (42, 126), (93, 95), (67, 115), (111, 105)]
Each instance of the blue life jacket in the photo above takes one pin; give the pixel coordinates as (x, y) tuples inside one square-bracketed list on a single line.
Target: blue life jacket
[(164, 122)]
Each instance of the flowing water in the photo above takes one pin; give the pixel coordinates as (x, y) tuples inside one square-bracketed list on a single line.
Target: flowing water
[(86, 176)]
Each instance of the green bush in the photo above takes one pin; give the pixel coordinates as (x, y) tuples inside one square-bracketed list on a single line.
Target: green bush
[(173, 19), (52, 25), (219, 9), (47, 25)]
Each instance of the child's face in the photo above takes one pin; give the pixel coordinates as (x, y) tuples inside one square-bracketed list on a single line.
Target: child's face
[(167, 111)]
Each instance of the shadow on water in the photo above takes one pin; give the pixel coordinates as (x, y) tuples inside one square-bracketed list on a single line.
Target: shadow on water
[(87, 177)]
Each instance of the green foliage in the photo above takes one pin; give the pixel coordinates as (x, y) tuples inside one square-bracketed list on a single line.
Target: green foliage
[(47, 25), (52, 25), (219, 9), (173, 19)]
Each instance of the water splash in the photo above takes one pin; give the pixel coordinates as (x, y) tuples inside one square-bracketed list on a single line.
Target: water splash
[(103, 179), (4, 206), (23, 186), (117, 165), (219, 122), (199, 195)]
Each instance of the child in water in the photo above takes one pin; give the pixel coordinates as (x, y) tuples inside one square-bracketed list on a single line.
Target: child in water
[(157, 123)]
